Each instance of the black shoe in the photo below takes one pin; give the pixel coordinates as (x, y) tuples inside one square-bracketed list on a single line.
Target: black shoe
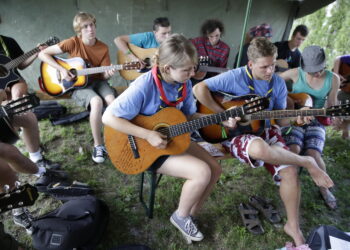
[(50, 176), (48, 164)]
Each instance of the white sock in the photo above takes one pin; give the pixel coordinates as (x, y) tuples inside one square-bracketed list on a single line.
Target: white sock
[(41, 170), (36, 156)]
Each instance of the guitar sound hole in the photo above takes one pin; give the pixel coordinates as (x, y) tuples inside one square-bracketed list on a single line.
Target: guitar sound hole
[(3, 71)]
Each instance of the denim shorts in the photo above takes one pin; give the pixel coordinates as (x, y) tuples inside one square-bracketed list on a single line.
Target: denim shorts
[(308, 136)]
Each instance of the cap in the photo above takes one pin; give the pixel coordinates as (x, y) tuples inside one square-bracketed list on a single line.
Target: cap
[(313, 59), (262, 30)]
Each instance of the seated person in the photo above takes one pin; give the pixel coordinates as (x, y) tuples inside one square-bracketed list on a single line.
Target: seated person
[(289, 50), (344, 93), (98, 91), (210, 45), (313, 79), (262, 30), (16, 89), (146, 40), (269, 149), (173, 67)]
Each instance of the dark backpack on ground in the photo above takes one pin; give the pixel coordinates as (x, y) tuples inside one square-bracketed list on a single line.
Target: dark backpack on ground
[(49, 109), (79, 223), (319, 238)]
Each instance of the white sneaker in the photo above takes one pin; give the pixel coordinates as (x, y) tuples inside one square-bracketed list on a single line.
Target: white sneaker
[(99, 154)]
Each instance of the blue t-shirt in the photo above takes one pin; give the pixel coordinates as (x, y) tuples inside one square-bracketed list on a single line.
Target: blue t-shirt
[(144, 40), (233, 82), (142, 97)]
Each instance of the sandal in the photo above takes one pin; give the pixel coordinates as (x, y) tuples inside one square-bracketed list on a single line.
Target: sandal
[(250, 218), (266, 208), (329, 199)]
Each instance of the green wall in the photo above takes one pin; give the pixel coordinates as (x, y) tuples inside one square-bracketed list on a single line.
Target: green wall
[(33, 21)]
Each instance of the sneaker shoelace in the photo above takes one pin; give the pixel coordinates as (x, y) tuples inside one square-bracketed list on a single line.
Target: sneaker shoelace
[(100, 151), (190, 227)]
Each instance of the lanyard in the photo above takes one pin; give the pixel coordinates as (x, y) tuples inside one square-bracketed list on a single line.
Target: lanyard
[(250, 80), (5, 47), (165, 102)]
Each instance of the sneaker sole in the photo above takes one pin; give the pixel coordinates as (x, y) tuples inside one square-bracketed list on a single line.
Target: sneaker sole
[(97, 161), (187, 237)]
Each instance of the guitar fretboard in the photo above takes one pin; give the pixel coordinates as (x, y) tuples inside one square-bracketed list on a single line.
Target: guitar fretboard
[(278, 114), (14, 63), (90, 71), (190, 126)]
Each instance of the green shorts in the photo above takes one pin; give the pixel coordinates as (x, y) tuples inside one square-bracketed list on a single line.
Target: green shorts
[(101, 88), (7, 241)]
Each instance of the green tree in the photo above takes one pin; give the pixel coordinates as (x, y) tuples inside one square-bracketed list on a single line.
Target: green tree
[(329, 28)]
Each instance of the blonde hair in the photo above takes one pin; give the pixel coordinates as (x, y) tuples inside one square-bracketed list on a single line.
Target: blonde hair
[(261, 47), (175, 51), (82, 17)]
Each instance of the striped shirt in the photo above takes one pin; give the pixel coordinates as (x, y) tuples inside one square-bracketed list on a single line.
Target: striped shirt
[(218, 54)]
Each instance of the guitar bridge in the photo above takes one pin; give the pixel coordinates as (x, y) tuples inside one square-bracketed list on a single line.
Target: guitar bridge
[(133, 146)]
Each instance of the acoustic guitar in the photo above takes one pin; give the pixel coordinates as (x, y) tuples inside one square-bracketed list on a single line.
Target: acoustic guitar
[(8, 66), (146, 56), (21, 196), (344, 70), (53, 83), (7, 133), (255, 123), (133, 155)]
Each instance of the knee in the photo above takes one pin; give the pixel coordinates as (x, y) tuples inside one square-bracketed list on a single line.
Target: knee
[(290, 174), (313, 153), (259, 149), (203, 176), (295, 148), (109, 99), (96, 103)]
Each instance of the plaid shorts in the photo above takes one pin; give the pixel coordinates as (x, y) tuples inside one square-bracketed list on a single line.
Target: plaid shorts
[(309, 136), (239, 149)]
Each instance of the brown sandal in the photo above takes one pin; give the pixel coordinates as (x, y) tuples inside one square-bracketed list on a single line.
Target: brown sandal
[(250, 218), (267, 209)]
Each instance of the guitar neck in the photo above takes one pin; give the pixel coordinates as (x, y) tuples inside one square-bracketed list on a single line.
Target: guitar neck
[(279, 114), (14, 63), (203, 68), (190, 126), (96, 70)]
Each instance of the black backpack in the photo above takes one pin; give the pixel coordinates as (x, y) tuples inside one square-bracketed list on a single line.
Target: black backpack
[(320, 239), (49, 109), (79, 223)]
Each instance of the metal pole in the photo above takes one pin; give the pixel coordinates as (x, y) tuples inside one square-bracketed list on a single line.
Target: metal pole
[(247, 13)]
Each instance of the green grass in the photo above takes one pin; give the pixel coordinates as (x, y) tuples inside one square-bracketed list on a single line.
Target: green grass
[(219, 220)]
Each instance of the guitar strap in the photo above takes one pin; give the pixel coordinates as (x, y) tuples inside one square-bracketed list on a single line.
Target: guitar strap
[(4, 47), (250, 81), (182, 90)]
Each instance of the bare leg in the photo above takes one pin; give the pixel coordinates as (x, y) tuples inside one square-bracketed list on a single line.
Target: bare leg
[(109, 99), (96, 119), (290, 195), (277, 155), (18, 162), (326, 193), (197, 174), (29, 124)]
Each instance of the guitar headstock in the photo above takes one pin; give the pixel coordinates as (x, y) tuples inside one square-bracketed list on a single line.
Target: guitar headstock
[(203, 61), (339, 110), (20, 105), (132, 65), (255, 105), (21, 196), (51, 41)]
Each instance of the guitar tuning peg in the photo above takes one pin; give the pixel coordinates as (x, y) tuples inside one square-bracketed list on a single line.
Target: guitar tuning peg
[(17, 184), (6, 188)]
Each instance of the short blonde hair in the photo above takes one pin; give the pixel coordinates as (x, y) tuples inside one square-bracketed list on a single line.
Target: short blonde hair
[(82, 17), (261, 47), (175, 51)]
